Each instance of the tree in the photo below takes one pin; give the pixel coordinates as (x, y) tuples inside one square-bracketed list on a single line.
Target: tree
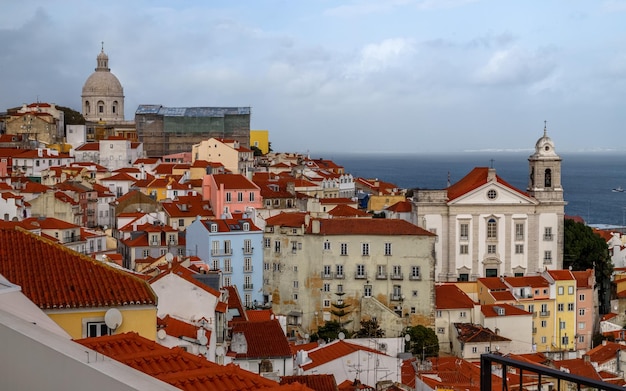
[(71, 117), (256, 150), (584, 249), (370, 329), (340, 310), (423, 342), (329, 331)]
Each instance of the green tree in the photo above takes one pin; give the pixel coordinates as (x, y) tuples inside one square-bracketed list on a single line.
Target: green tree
[(370, 329), (256, 150), (423, 342), (340, 310), (329, 331), (584, 249), (72, 117)]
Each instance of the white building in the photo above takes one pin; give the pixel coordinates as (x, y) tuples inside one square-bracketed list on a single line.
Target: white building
[(117, 152), (487, 227)]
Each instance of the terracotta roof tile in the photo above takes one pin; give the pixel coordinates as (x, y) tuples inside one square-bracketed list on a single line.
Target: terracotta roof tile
[(473, 180), (332, 351), (264, 339), (315, 382), (343, 210), (562, 275), (233, 181), (53, 276), (490, 310), (401, 207), (450, 296)]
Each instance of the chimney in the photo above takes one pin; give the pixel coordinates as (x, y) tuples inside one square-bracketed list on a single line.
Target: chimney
[(604, 342), (491, 175), (316, 227)]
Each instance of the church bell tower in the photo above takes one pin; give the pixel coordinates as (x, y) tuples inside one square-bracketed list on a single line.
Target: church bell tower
[(544, 180)]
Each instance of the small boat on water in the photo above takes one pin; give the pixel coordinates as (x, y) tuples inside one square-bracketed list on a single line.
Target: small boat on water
[(618, 190)]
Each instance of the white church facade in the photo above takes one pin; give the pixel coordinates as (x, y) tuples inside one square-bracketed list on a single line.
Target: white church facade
[(487, 227)]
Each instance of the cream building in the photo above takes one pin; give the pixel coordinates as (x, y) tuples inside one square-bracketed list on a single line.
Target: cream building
[(374, 267), (103, 95), (486, 227), (234, 157)]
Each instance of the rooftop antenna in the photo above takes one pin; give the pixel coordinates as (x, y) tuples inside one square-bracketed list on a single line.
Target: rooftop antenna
[(545, 128), (102, 43), (491, 163)]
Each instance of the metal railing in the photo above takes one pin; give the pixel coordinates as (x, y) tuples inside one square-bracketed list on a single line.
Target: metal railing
[(538, 374)]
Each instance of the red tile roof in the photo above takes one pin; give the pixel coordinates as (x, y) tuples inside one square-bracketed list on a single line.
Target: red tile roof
[(490, 310), (493, 283), (358, 226), (332, 351), (264, 339), (175, 366), (583, 278), (578, 366), (178, 328), (343, 210), (469, 333), (53, 276), (527, 281), (450, 296), (233, 181), (50, 223), (475, 179), (283, 219), (605, 352), (315, 382), (562, 275), (401, 207), (502, 295)]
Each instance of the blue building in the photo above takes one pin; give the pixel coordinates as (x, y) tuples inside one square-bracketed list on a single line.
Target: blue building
[(234, 247)]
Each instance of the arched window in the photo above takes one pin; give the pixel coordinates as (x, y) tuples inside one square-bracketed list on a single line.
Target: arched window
[(87, 107), (492, 229), (548, 178), (100, 107)]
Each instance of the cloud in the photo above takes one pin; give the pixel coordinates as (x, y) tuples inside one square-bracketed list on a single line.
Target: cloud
[(362, 8), (515, 66), (377, 57)]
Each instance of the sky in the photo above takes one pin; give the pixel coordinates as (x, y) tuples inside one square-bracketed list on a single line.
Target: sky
[(369, 76)]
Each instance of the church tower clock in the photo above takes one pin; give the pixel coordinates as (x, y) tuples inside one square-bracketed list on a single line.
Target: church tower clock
[(544, 181)]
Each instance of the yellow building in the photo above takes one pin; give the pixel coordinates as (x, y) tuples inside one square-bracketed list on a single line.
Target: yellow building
[(260, 139), (564, 333), (87, 298)]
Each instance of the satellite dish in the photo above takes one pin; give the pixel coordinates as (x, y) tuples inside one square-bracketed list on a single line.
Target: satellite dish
[(202, 349), (219, 351), (161, 334), (169, 257), (341, 336), (113, 318), (407, 337), (203, 340), (306, 336)]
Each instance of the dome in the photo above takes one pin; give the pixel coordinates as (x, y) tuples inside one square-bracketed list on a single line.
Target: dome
[(544, 146), (103, 84)]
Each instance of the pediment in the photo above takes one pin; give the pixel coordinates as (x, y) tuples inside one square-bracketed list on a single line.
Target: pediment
[(494, 193)]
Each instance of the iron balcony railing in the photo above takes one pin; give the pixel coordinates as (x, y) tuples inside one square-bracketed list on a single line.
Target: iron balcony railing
[(539, 375)]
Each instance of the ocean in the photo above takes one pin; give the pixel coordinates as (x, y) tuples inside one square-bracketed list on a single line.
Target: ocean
[(587, 178)]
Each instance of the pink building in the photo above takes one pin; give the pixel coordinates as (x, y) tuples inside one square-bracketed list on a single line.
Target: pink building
[(586, 307), (231, 193)]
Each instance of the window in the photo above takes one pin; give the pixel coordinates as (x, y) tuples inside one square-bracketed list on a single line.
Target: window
[(277, 246), (228, 197), (562, 324), (97, 329), (544, 323), (246, 226), (560, 290), (415, 272), (491, 249), (366, 249), (492, 194), (581, 325), (544, 339), (387, 248), (266, 266), (339, 288), (213, 227), (326, 303), (547, 233), (146, 253), (491, 273), (570, 306), (360, 271), (463, 277), (438, 314), (327, 245), (181, 222), (294, 246), (581, 297), (397, 271), (327, 271), (381, 272), (367, 291), (519, 249), (344, 248), (267, 242), (326, 287), (227, 249), (295, 296), (296, 284), (228, 268), (414, 293), (251, 197), (547, 257), (239, 196), (519, 231), (581, 338), (492, 229), (247, 246), (462, 314), (463, 231), (570, 290), (474, 349), (531, 308), (464, 249), (247, 264), (581, 312), (560, 307), (339, 271), (548, 177), (440, 330)]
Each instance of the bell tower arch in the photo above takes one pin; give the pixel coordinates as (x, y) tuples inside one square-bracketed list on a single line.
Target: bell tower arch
[(544, 179)]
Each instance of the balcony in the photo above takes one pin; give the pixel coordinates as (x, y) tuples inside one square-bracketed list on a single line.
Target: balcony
[(326, 276), (381, 276), (534, 330), (360, 276), (544, 314), (547, 237), (397, 276), (340, 276), (248, 251), (395, 297), (415, 277), (248, 287), (247, 269), (547, 378), (221, 251), (534, 314)]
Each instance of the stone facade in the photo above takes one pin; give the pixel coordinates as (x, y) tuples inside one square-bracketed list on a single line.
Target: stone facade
[(103, 95), (486, 227)]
